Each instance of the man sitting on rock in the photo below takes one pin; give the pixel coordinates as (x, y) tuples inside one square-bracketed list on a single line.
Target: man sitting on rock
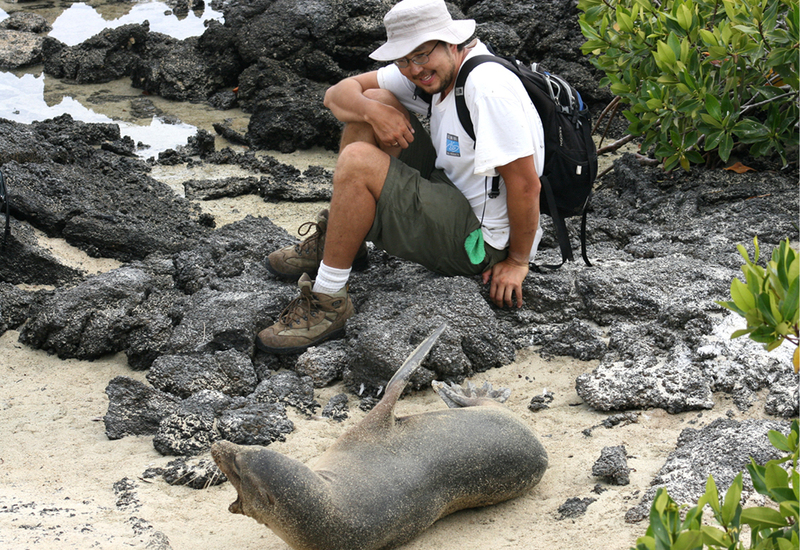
[(417, 196)]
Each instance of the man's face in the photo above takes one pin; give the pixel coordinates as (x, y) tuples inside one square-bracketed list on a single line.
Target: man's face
[(438, 74)]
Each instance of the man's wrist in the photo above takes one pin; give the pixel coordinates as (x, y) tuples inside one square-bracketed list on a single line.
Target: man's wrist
[(517, 261)]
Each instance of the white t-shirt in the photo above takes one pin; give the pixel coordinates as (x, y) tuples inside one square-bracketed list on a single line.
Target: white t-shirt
[(507, 127)]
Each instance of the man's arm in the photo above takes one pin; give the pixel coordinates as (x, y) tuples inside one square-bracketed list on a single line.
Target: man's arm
[(360, 99), (522, 187)]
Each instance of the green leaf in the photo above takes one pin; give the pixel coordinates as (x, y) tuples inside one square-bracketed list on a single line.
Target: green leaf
[(713, 107), (763, 518), (725, 147), (747, 29), (749, 131), (688, 540), (621, 89), (782, 494), (684, 16), (765, 308), (670, 163), (711, 496), (645, 543), (732, 504), (660, 532), (789, 309), (713, 139), (695, 157), (776, 476), (708, 37), (624, 20), (742, 296), (789, 508), (713, 536), (664, 53), (779, 441), (758, 476), (693, 519)]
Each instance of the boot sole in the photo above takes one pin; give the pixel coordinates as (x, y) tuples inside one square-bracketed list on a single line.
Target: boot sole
[(298, 349), (359, 264)]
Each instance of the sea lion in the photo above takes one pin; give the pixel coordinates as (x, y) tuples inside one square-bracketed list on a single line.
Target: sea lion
[(388, 478)]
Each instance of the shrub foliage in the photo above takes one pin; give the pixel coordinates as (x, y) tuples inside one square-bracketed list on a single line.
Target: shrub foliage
[(768, 299), (773, 527), (700, 77)]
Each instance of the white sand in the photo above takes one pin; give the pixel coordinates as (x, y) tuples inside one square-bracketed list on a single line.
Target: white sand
[(57, 468)]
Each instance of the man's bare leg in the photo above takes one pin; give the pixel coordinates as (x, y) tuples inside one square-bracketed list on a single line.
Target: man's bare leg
[(357, 184)]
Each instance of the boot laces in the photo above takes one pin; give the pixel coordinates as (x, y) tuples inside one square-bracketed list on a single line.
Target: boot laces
[(314, 240), (300, 309)]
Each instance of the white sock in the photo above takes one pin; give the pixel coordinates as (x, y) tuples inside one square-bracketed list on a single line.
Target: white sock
[(330, 279)]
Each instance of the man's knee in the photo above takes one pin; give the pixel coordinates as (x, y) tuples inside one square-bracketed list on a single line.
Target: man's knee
[(361, 162), (356, 155)]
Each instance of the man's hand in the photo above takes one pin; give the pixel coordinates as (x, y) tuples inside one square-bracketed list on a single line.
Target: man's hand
[(506, 278), (391, 126), (360, 99)]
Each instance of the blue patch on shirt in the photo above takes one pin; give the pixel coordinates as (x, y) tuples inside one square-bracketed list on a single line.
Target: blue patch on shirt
[(452, 146)]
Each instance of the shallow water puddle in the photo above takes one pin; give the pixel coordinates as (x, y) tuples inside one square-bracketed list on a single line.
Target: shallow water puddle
[(28, 95), (81, 21)]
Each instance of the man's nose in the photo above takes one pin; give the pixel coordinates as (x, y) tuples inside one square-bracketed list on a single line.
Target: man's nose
[(416, 69)]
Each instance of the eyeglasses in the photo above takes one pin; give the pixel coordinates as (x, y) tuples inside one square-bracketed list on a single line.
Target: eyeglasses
[(420, 59), (4, 200)]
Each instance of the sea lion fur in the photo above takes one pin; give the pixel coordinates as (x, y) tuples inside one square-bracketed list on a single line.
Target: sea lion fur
[(388, 478)]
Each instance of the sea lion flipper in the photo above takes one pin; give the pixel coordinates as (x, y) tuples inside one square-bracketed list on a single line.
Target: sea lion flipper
[(398, 382), (456, 396), (383, 412)]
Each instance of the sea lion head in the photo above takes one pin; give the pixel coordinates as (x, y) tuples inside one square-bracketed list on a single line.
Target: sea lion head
[(275, 490), (230, 458)]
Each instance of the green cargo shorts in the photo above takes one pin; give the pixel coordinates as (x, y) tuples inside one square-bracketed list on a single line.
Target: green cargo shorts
[(422, 217)]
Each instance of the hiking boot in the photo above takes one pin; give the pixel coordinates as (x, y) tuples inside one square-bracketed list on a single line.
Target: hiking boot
[(308, 320), (304, 257)]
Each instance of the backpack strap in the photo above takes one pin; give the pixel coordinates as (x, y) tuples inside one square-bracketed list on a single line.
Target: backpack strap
[(461, 104), (583, 235), (419, 93), (4, 200), (559, 223), (466, 121)]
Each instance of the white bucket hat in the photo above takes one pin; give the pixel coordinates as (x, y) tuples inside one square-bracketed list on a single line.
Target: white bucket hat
[(414, 22)]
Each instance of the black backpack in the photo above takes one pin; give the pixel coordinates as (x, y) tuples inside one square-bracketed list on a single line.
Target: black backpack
[(570, 165)]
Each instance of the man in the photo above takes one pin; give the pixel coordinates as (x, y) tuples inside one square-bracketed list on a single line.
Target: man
[(423, 198)]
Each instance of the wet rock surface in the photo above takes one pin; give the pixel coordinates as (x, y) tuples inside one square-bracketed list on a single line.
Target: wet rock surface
[(18, 48), (60, 183)]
